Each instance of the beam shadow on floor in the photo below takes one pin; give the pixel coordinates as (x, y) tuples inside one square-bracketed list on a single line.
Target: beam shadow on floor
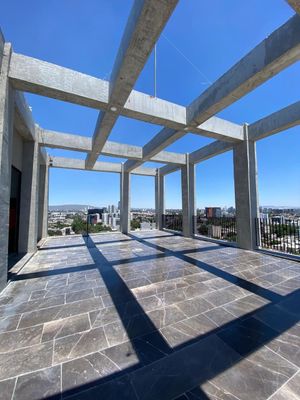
[(150, 336)]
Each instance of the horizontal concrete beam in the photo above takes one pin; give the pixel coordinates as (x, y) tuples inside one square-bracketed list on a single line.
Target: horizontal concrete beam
[(74, 163), (168, 169), (24, 122), (276, 52), (66, 141), (276, 122), (145, 171), (221, 129), (39, 77), (145, 23), (144, 26), (163, 139), (69, 141), (209, 151)]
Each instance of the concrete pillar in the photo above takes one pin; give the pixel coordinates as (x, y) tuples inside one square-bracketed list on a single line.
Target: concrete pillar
[(246, 200), (188, 198), (159, 199), (43, 201), (29, 197), (125, 200), (6, 137)]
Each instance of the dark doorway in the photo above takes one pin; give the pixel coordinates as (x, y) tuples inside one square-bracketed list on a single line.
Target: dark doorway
[(14, 210)]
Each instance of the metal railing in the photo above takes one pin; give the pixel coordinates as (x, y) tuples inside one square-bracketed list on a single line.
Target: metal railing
[(172, 222), (222, 228), (283, 236)]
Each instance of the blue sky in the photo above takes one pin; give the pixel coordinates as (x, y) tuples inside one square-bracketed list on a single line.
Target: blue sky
[(213, 35)]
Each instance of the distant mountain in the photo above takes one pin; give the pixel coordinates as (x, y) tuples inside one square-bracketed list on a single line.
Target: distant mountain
[(69, 207), (282, 207)]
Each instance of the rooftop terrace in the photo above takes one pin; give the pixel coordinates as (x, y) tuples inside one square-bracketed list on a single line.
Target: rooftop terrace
[(142, 315)]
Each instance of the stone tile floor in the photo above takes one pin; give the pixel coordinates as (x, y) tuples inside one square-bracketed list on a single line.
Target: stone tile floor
[(150, 316)]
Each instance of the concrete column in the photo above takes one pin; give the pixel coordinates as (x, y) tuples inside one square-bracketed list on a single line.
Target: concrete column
[(29, 197), (246, 200), (159, 199), (188, 198), (43, 201), (6, 138), (125, 200)]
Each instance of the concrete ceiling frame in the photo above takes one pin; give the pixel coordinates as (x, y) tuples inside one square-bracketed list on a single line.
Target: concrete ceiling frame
[(273, 54)]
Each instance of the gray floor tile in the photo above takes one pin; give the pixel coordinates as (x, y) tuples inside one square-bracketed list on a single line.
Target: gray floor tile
[(39, 385)]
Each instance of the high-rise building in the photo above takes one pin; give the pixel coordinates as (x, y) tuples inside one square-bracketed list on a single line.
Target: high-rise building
[(105, 218), (213, 212)]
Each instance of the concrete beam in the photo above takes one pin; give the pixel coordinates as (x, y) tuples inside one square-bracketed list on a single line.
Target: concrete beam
[(245, 184), (168, 136), (68, 141), (39, 77), (159, 199), (6, 139), (125, 200), (272, 55), (145, 171), (164, 138), (276, 122), (73, 163), (24, 121), (43, 203), (168, 169), (100, 166), (145, 23), (188, 198), (28, 231), (295, 4), (211, 150), (219, 128)]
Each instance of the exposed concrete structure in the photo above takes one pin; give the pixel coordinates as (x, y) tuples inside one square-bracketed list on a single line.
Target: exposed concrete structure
[(50, 80), (116, 98), (159, 199), (6, 137), (84, 144), (272, 55), (245, 181), (43, 199), (276, 122), (100, 166), (125, 178), (145, 23), (188, 198), (29, 198)]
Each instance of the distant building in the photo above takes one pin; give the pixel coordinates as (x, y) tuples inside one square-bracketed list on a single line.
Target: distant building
[(213, 212), (93, 219), (264, 216), (99, 211), (279, 219)]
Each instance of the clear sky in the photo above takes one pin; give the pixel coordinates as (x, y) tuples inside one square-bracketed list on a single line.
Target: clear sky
[(200, 42)]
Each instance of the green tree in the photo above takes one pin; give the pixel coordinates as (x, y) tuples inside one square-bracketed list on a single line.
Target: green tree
[(135, 224), (78, 225)]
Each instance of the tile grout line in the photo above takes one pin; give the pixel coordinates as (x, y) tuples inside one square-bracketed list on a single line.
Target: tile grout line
[(276, 391)]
